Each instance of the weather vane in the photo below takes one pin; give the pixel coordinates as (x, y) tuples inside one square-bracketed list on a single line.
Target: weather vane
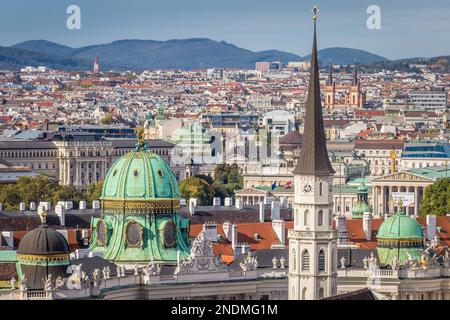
[(315, 11)]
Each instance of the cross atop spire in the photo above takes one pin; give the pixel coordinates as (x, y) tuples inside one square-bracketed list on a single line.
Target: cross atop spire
[(314, 158), (315, 11)]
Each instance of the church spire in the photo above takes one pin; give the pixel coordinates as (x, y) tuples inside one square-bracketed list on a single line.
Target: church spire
[(355, 74), (330, 74), (313, 155)]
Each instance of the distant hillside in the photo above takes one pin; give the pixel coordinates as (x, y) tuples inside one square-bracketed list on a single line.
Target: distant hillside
[(346, 56), (441, 63), (45, 47), (187, 54), (14, 59)]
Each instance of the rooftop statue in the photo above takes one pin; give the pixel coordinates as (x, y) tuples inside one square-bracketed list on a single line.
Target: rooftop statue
[(250, 263)]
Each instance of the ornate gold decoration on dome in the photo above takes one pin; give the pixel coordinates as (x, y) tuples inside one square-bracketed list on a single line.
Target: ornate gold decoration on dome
[(142, 205), (43, 258)]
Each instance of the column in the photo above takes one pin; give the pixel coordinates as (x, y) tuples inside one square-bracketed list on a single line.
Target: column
[(77, 172), (64, 172), (389, 200), (383, 200), (416, 201), (60, 171), (95, 171), (374, 200)]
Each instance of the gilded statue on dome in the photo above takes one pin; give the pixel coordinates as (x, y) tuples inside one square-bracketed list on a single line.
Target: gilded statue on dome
[(140, 134)]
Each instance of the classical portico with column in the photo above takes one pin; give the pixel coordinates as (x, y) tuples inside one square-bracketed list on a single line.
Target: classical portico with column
[(83, 162), (404, 181)]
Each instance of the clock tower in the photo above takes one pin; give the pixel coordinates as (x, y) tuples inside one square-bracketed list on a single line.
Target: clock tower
[(312, 241)]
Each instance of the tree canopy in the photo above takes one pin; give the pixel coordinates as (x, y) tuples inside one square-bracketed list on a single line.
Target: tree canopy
[(194, 187), (436, 198), (43, 188)]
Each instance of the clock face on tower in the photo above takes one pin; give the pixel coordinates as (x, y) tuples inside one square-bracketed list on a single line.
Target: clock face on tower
[(307, 188)]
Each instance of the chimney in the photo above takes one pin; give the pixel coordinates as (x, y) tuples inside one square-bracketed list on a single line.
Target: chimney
[(60, 211), (239, 203), (367, 225), (47, 205), (431, 227), (237, 250), (96, 204), (216, 202), (68, 205), (22, 206), (210, 229), (279, 227), (82, 205), (32, 206), (192, 206), (228, 202), (275, 210), (194, 201), (245, 248), (227, 230), (234, 239), (261, 211), (341, 227)]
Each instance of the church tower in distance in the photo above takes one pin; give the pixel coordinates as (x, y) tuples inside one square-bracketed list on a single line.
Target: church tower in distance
[(96, 69), (312, 241)]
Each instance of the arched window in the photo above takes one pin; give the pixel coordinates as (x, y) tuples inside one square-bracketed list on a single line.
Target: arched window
[(320, 218), (320, 189), (294, 259), (321, 293), (321, 260), (305, 260), (306, 218), (304, 293)]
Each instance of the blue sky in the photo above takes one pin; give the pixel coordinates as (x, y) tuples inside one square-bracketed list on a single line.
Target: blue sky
[(409, 28)]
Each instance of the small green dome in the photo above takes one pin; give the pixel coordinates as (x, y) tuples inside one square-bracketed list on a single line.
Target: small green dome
[(362, 188), (359, 209), (400, 237), (140, 175), (400, 226)]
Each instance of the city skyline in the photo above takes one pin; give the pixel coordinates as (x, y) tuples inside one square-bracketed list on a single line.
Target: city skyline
[(251, 25)]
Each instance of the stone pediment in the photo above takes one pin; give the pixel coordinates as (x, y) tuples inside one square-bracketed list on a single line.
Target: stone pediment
[(252, 191), (402, 176)]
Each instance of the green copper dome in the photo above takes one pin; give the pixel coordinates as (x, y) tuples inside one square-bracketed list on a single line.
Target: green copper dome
[(400, 226), (362, 204), (140, 202), (359, 209), (399, 236), (140, 175)]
